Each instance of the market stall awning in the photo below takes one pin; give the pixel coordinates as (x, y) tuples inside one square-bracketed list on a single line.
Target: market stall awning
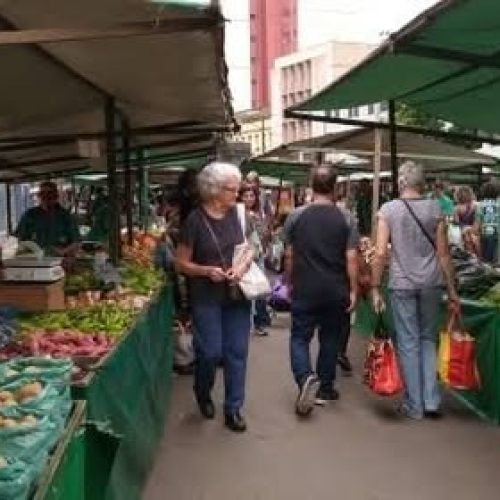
[(436, 156), (162, 63), (445, 62), (79, 156)]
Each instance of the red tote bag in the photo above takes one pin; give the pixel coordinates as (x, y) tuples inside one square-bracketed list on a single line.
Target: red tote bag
[(462, 368), (382, 374)]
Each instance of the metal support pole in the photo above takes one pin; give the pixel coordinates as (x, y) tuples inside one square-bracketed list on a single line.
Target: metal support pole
[(74, 201), (114, 206), (319, 158), (141, 177), (145, 195), (9, 208), (128, 183), (394, 148), (377, 164), (278, 202)]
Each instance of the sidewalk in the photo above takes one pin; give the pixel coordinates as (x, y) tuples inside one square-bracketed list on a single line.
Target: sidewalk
[(355, 449)]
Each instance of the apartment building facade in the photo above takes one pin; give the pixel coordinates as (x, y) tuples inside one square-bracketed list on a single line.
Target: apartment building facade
[(298, 76), (256, 130)]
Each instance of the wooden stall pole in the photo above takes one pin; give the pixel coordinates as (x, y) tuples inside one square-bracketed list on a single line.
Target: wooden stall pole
[(9, 208), (114, 206), (394, 148), (128, 182), (278, 202), (377, 164)]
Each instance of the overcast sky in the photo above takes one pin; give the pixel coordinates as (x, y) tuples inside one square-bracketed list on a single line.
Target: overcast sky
[(319, 21)]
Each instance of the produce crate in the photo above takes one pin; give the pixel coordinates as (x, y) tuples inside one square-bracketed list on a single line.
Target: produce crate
[(33, 297), (63, 477)]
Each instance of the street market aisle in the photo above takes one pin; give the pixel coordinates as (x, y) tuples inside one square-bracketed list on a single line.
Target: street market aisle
[(355, 449)]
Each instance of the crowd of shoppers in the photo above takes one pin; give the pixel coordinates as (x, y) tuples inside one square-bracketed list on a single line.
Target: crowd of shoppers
[(218, 210)]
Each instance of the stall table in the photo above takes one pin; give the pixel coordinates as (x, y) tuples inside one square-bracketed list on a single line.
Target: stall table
[(127, 399)]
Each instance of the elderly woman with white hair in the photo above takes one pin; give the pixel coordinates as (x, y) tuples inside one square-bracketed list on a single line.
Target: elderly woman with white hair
[(220, 312), (420, 265)]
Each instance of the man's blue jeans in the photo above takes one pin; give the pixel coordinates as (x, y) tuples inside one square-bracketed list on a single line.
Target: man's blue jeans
[(221, 331), (416, 316), (331, 319)]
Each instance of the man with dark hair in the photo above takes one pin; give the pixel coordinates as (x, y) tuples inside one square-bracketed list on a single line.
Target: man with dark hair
[(321, 270), (49, 225)]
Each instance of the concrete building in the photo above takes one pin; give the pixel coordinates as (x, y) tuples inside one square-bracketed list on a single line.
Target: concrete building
[(256, 130), (298, 76), (273, 33)]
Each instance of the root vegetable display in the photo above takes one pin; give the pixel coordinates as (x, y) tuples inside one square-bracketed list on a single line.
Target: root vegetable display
[(109, 318)]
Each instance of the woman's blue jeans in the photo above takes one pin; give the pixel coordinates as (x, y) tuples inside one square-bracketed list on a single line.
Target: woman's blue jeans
[(221, 332), (416, 316)]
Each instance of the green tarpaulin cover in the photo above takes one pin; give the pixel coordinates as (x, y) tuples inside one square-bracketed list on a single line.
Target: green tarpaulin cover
[(444, 62), (127, 404)]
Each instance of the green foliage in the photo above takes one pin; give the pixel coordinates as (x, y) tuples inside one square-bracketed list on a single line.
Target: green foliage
[(408, 115), (411, 116)]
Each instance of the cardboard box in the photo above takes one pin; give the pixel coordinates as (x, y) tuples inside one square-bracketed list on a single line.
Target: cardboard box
[(33, 297)]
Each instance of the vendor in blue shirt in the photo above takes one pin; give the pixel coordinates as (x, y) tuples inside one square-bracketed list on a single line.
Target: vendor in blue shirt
[(49, 225)]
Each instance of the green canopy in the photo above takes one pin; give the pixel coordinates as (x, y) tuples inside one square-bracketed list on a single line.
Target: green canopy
[(445, 62)]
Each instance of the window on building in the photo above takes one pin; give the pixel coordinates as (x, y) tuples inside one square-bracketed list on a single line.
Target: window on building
[(293, 131), (308, 74), (293, 78), (370, 109), (284, 131), (353, 112), (384, 106)]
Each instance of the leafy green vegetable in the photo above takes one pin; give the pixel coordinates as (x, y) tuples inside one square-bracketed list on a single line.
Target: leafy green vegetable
[(492, 297), (109, 318), (81, 282), (141, 280)]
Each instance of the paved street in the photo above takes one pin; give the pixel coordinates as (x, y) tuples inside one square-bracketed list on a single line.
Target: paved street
[(355, 449)]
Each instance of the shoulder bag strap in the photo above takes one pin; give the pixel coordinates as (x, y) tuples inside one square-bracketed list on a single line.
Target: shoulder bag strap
[(420, 225), (242, 217), (214, 239)]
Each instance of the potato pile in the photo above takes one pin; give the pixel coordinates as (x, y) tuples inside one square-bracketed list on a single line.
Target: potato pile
[(22, 395), (25, 421)]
